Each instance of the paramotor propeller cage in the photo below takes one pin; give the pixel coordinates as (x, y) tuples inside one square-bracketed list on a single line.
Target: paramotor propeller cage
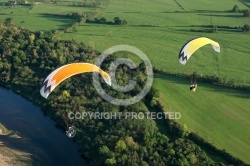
[(71, 132)]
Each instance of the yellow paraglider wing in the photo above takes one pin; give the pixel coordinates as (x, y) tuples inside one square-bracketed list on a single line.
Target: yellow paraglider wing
[(66, 71), (190, 47)]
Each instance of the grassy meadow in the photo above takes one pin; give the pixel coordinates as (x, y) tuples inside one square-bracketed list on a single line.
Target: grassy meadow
[(160, 28), (218, 114), (26, 18), (159, 31), (43, 16)]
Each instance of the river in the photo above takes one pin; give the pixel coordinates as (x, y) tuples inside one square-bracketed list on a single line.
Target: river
[(39, 136)]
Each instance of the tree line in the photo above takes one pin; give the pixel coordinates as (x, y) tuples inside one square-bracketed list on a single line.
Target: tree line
[(103, 20)]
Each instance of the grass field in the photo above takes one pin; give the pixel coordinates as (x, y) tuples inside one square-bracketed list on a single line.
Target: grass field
[(160, 28), (162, 47), (43, 16), (218, 114), (23, 17), (160, 33), (210, 5)]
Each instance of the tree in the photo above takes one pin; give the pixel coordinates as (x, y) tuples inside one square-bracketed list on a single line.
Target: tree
[(185, 130), (124, 22), (8, 21), (102, 20), (192, 159), (31, 37), (74, 29), (120, 146), (214, 29), (235, 9), (245, 28), (246, 13), (110, 161), (32, 6), (77, 15), (117, 21), (131, 143), (16, 60), (153, 102), (97, 20), (104, 150)]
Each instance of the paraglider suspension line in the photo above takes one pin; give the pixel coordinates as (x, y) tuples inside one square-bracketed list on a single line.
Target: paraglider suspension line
[(66, 119), (193, 79)]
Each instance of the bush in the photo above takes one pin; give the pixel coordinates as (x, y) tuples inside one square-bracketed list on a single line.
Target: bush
[(124, 22), (103, 20), (246, 13), (245, 28), (117, 21), (235, 9)]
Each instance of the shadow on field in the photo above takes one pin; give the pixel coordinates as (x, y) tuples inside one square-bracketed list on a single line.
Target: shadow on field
[(222, 15), (20, 144), (210, 11), (209, 86), (229, 30), (78, 6), (54, 16), (95, 35), (203, 30), (133, 12), (196, 11), (228, 91), (144, 26), (173, 79), (58, 18)]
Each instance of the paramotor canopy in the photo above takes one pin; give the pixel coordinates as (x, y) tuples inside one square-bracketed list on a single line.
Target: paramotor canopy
[(190, 47), (66, 71)]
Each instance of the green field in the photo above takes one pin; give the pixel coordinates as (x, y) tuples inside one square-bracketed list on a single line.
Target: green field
[(218, 114), (160, 35), (43, 16), (26, 18), (162, 47), (211, 5), (160, 28)]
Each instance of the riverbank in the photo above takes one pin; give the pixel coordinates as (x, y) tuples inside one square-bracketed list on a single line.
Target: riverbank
[(11, 157), (8, 156), (38, 103), (4, 160), (30, 132)]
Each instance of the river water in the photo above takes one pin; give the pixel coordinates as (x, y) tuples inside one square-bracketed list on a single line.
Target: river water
[(39, 136)]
